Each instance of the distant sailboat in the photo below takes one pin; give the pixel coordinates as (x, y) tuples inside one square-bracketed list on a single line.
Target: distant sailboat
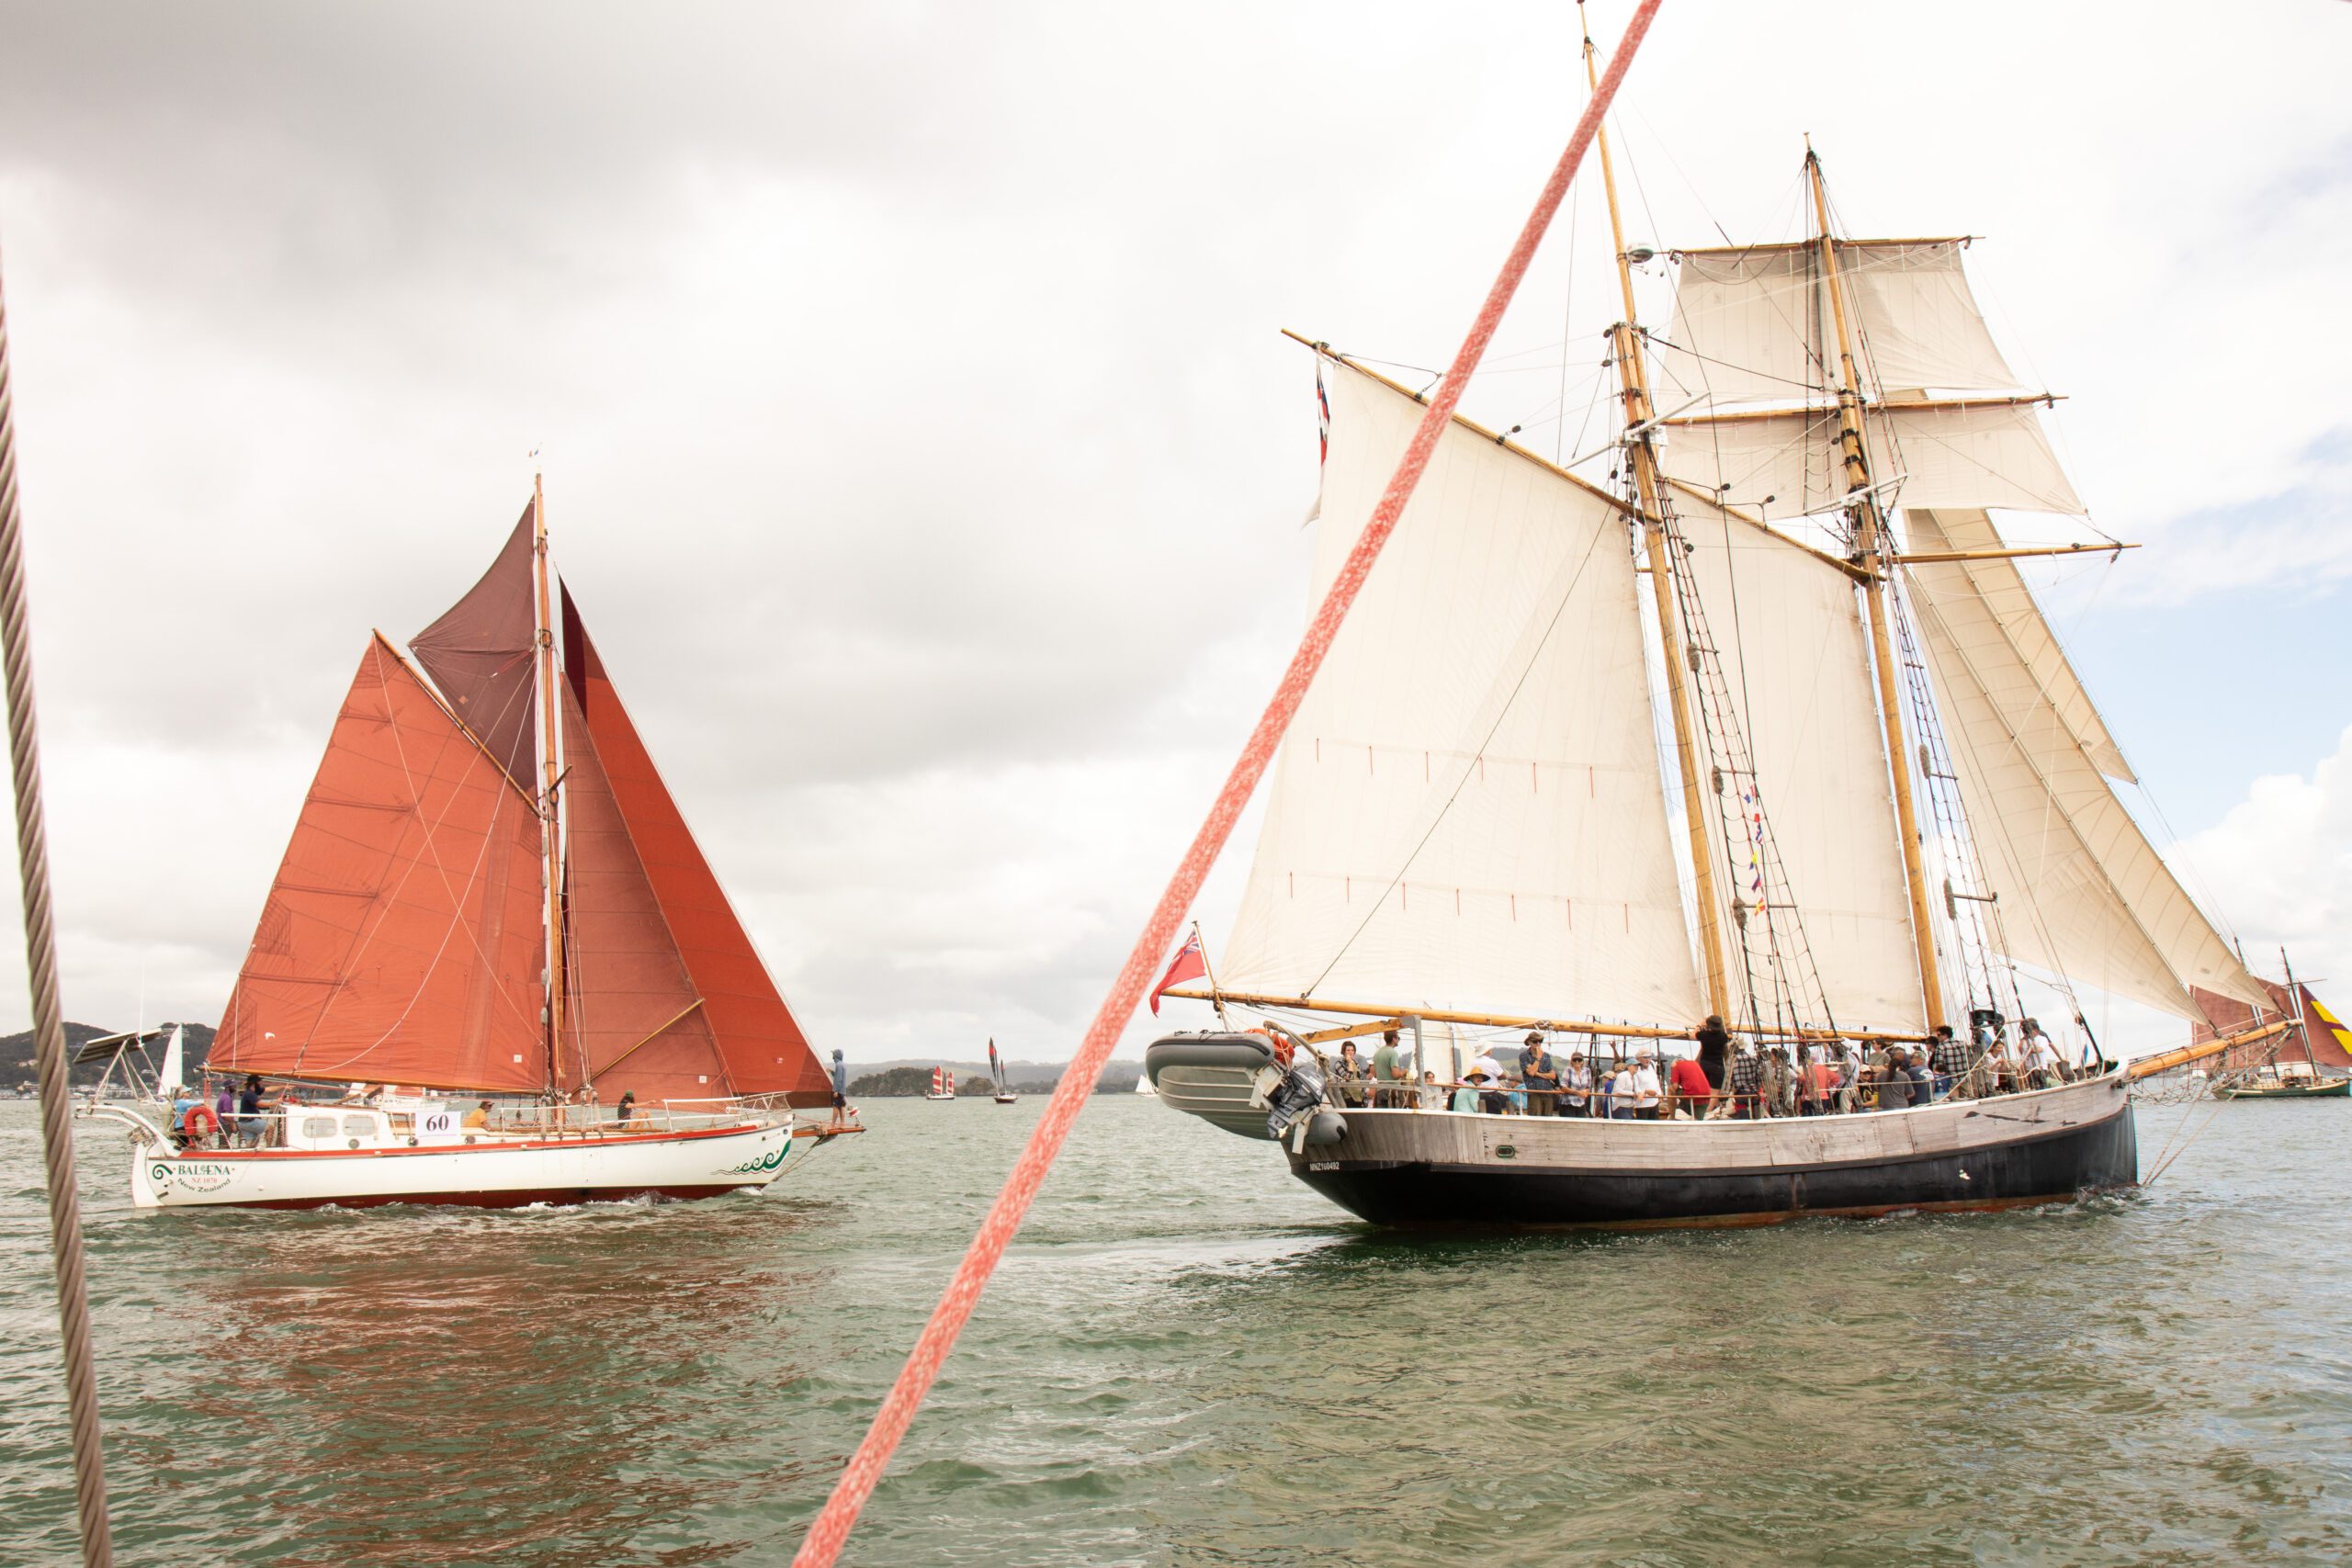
[(1004, 1095), (2312, 1060), (442, 933), (942, 1085)]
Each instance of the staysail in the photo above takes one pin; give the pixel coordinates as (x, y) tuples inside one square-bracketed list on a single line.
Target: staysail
[(2083, 892), (401, 938), (478, 653), (1467, 811)]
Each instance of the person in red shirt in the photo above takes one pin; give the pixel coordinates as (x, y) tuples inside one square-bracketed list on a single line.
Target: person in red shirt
[(1692, 1090)]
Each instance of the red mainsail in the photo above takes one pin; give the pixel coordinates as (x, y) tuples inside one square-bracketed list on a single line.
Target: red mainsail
[(400, 940), (633, 1019), (762, 1049)]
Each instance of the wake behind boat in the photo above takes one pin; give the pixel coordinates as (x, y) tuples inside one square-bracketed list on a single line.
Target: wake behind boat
[(468, 989), (1886, 792)]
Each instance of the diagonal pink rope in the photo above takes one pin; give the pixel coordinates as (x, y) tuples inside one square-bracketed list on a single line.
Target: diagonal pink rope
[(830, 1530)]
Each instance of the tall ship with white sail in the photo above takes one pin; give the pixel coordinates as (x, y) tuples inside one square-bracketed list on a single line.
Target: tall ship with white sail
[(1767, 726), (494, 967)]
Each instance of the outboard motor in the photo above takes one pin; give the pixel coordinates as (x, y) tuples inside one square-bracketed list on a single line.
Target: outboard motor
[(1300, 1094)]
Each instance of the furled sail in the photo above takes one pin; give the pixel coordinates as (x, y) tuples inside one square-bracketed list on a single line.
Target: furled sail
[(402, 939), (761, 1045), (478, 653), (2083, 892), (1787, 628), (1952, 454), (1467, 812)]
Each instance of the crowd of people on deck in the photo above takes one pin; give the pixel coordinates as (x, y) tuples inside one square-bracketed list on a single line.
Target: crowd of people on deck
[(1725, 1077)]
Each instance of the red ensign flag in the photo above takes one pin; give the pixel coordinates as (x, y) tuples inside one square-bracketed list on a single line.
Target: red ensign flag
[(1189, 965)]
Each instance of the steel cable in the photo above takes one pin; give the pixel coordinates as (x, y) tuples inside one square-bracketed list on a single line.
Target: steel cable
[(49, 1029)]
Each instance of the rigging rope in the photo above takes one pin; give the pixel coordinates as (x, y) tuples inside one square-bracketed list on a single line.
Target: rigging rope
[(49, 1029), (830, 1530)]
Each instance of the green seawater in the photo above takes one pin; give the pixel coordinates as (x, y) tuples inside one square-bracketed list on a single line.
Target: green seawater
[(1190, 1359)]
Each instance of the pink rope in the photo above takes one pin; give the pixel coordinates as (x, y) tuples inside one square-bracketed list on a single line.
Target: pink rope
[(831, 1531)]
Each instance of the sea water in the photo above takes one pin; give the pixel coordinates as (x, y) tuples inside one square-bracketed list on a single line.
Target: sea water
[(1190, 1359)]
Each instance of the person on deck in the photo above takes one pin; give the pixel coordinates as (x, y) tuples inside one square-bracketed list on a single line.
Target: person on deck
[(627, 1108), (1431, 1094), (1624, 1091), (841, 1085), (1648, 1093), (1893, 1084), (1693, 1093), (1923, 1082), (1539, 1076), (1714, 1051), (1814, 1082), (250, 1125), (1950, 1061), (224, 1111), (182, 1103), (1388, 1083), (1575, 1088), (477, 1120), (2041, 1064), (1747, 1078), (1347, 1075), (1846, 1067), (1465, 1097)]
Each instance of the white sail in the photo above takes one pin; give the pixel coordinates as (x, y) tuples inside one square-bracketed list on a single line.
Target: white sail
[(1467, 813), (169, 1076), (2082, 891), (1753, 325), (1796, 656), (1785, 465)]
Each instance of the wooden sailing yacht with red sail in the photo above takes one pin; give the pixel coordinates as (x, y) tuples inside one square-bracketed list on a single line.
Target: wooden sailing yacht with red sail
[(495, 962)]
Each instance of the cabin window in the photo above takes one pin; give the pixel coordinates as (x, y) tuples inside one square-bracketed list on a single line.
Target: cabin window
[(318, 1126), (359, 1126)]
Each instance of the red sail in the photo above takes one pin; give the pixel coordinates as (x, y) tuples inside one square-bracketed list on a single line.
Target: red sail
[(401, 940), (633, 1022), (478, 653), (2319, 1039), (759, 1041)]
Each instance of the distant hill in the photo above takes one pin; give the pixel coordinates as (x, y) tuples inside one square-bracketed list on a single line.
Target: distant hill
[(914, 1080), (16, 1051)]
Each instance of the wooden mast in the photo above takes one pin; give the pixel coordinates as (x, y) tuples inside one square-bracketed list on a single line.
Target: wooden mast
[(1635, 385), (551, 820), (1873, 553)]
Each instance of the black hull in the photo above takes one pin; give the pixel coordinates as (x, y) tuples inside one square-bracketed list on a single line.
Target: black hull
[(2036, 1169)]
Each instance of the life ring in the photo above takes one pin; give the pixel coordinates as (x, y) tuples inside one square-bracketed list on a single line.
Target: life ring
[(198, 1123)]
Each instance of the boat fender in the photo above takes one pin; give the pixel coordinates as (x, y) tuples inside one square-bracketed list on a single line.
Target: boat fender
[(198, 1123), (1325, 1127)]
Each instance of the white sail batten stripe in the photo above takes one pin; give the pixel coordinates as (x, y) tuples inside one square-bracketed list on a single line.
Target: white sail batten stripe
[(1986, 456), (1755, 325), (1795, 655), (1468, 813), (2099, 906)]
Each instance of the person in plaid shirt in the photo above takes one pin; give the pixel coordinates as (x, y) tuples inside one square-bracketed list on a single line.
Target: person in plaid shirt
[(1950, 1061), (1747, 1078)]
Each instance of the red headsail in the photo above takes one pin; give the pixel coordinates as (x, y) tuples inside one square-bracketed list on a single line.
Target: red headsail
[(402, 939), (2319, 1039), (761, 1047)]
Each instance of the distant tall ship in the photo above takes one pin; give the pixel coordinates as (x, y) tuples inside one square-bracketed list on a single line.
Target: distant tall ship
[(1886, 787), (2311, 1060), (494, 967)]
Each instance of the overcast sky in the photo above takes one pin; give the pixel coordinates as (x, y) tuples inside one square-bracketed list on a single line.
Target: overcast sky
[(921, 447)]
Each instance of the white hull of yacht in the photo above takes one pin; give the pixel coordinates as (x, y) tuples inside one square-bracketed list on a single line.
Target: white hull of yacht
[(495, 1173)]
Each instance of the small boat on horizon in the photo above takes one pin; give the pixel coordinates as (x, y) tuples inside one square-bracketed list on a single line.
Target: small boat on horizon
[(1003, 1091), (2312, 1060), (942, 1085), (469, 989)]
